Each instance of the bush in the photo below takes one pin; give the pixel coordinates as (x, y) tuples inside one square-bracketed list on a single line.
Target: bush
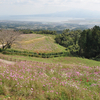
[(34, 54), (0, 50)]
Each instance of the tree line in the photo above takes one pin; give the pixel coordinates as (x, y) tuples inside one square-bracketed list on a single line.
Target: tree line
[(83, 43), (28, 31)]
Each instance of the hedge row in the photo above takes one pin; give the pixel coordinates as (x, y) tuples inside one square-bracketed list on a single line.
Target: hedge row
[(34, 54)]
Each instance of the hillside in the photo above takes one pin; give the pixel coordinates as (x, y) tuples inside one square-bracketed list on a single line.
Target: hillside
[(37, 43), (57, 78)]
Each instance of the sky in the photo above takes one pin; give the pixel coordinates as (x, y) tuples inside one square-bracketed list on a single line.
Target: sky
[(30, 7)]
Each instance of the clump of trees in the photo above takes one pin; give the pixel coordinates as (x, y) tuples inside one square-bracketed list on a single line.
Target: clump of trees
[(8, 37), (89, 42), (46, 32), (84, 43), (28, 31), (69, 39)]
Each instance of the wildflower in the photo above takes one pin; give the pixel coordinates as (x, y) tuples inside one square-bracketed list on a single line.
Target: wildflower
[(42, 91), (52, 91), (80, 79), (56, 92), (32, 89), (77, 73), (87, 80), (16, 79)]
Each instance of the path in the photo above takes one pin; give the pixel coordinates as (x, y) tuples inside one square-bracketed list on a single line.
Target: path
[(7, 62), (37, 39), (1, 45)]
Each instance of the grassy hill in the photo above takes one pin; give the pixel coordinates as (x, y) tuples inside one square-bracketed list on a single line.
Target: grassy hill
[(37, 43)]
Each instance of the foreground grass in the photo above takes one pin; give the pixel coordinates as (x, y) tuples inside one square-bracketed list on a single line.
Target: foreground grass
[(50, 81)]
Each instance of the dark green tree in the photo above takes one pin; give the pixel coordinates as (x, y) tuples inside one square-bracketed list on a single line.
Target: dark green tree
[(69, 39), (89, 42)]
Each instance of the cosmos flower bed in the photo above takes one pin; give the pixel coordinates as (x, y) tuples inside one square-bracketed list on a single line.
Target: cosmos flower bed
[(43, 81)]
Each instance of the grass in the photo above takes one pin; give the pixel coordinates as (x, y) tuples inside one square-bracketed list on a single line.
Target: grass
[(61, 78), (38, 43), (58, 60), (58, 80)]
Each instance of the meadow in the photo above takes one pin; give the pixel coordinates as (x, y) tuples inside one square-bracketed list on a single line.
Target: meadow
[(50, 79)]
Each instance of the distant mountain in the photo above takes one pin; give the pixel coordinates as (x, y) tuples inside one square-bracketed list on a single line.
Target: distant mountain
[(72, 14), (58, 16)]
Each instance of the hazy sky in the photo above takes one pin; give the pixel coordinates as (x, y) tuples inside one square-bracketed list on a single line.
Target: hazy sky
[(26, 7)]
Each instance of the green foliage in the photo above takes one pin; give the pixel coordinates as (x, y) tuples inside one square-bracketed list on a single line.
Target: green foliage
[(1, 90), (46, 32), (26, 31), (63, 96), (0, 49), (69, 39), (84, 43), (74, 49), (89, 42), (33, 54)]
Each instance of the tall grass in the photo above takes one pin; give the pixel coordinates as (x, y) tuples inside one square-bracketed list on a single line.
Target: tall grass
[(43, 81)]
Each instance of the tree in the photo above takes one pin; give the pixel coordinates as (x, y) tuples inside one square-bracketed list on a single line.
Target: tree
[(8, 37), (89, 42), (69, 39)]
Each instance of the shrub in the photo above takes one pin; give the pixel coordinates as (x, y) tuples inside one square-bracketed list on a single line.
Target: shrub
[(34, 54)]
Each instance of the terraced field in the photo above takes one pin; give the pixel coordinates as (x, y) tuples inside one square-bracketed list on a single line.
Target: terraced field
[(37, 43)]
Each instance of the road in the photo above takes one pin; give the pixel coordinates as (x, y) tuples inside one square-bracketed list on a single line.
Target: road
[(7, 62)]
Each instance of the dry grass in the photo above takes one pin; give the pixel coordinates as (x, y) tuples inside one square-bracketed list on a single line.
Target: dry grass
[(34, 40), (37, 43)]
